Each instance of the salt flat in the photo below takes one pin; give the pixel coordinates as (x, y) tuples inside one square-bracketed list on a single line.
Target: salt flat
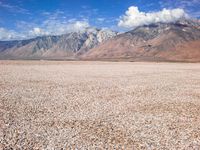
[(54, 105)]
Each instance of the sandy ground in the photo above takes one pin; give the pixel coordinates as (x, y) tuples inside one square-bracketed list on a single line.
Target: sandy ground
[(55, 105)]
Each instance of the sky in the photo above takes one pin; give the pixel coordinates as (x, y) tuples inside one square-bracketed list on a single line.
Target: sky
[(23, 19)]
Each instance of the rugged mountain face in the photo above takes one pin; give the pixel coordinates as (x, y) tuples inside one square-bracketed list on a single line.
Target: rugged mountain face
[(55, 47), (179, 41)]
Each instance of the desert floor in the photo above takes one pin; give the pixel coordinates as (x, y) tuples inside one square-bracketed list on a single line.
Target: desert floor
[(55, 105)]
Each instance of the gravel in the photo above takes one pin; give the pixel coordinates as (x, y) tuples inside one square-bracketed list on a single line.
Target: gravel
[(50, 105)]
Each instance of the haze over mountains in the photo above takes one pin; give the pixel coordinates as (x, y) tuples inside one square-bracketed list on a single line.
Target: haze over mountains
[(177, 41)]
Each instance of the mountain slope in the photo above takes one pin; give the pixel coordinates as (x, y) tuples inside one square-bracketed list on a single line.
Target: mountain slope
[(179, 41), (55, 47)]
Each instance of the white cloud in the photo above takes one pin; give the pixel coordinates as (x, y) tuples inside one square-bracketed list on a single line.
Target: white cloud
[(134, 18), (36, 32), (57, 27), (48, 27), (78, 25), (7, 34)]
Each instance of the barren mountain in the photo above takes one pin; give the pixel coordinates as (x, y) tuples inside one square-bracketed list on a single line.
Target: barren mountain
[(178, 41), (66, 46)]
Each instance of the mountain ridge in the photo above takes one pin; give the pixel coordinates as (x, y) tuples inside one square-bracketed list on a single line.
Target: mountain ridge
[(155, 42), (61, 46), (176, 41)]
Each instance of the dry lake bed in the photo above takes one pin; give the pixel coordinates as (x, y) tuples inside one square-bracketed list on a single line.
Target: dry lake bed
[(50, 105)]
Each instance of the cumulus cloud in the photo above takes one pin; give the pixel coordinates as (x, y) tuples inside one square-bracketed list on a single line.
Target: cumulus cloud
[(134, 18)]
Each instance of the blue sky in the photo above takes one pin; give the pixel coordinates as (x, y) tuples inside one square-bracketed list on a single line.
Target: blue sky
[(27, 18)]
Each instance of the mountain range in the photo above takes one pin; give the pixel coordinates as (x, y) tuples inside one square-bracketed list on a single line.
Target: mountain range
[(177, 41), (67, 46)]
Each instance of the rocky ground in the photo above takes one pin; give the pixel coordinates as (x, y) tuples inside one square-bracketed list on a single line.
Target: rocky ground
[(58, 105)]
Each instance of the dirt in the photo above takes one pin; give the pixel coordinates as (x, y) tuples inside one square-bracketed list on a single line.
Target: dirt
[(62, 105)]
